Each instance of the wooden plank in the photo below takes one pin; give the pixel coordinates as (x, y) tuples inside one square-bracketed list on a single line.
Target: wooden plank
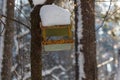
[(57, 32), (58, 47), (56, 26), (50, 42)]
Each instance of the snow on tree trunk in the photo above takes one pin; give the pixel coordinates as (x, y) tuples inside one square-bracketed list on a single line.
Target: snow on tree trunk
[(8, 42), (78, 45), (1, 54), (86, 40), (118, 70)]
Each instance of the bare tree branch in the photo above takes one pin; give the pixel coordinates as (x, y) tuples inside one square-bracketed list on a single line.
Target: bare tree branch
[(16, 21), (105, 17), (22, 13), (113, 13), (3, 27)]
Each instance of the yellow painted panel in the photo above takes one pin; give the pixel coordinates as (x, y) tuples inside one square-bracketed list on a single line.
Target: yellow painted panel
[(57, 42)]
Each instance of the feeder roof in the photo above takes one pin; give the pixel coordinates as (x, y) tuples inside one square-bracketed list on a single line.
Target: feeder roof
[(54, 15)]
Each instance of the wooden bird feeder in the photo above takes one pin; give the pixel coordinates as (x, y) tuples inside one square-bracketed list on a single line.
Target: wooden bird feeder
[(57, 38)]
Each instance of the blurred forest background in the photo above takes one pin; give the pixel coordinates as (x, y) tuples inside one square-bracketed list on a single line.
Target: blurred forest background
[(60, 65)]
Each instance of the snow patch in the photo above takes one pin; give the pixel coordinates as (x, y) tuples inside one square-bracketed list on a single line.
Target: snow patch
[(54, 15), (81, 64), (37, 2)]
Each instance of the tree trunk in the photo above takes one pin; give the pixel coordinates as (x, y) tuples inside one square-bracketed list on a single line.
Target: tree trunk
[(36, 48), (88, 40), (36, 39), (8, 42)]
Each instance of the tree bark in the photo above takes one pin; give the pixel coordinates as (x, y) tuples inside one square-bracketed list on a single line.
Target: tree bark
[(8, 42), (36, 39), (88, 40), (36, 48)]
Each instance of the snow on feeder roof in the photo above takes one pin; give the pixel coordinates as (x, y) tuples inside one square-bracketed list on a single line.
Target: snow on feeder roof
[(36, 2), (54, 15)]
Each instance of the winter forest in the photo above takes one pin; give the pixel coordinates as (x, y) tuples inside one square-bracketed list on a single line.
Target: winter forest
[(59, 39)]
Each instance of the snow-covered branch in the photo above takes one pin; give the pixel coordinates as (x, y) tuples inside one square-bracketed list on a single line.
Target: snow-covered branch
[(55, 77), (47, 72), (23, 34), (14, 67), (27, 75)]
